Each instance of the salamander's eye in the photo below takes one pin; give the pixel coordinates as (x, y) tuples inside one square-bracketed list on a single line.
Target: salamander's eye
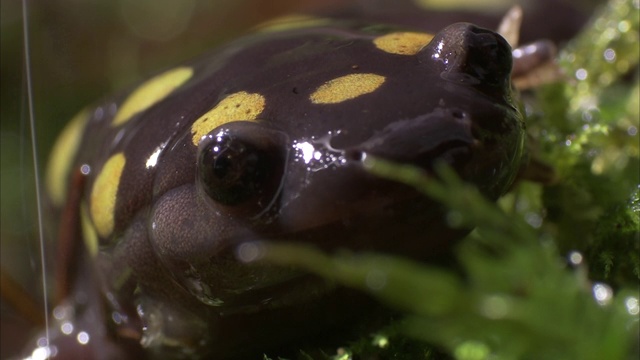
[(241, 166)]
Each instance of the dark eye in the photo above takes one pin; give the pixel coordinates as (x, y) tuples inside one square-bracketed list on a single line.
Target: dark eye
[(241, 165)]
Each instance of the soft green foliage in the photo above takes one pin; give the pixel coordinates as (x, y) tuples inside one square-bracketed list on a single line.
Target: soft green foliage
[(589, 133), (518, 298)]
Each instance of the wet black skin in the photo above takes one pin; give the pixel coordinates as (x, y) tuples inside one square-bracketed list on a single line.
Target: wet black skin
[(171, 265)]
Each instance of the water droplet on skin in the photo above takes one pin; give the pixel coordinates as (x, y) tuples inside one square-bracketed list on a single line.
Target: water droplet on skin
[(249, 252)]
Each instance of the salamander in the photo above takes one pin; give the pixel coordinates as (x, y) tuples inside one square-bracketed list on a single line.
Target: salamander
[(159, 188)]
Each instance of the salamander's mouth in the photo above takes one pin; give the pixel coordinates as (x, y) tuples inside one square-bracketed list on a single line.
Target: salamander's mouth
[(232, 281), (229, 284), (441, 135)]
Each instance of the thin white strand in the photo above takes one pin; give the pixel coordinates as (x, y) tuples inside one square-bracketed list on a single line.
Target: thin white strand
[(36, 172)]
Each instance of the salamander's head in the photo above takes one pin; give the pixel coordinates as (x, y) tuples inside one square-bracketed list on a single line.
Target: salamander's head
[(278, 152)]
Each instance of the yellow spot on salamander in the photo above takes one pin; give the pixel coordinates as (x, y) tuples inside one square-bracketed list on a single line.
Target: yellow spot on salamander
[(62, 156), (90, 236), (402, 43), (291, 22), (346, 87), (103, 194), (238, 106), (151, 92)]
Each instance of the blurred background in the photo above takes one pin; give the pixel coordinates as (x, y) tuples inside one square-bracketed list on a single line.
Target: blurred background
[(84, 49)]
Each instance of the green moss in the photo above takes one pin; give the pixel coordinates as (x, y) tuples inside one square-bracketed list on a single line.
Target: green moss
[(589, 133)]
